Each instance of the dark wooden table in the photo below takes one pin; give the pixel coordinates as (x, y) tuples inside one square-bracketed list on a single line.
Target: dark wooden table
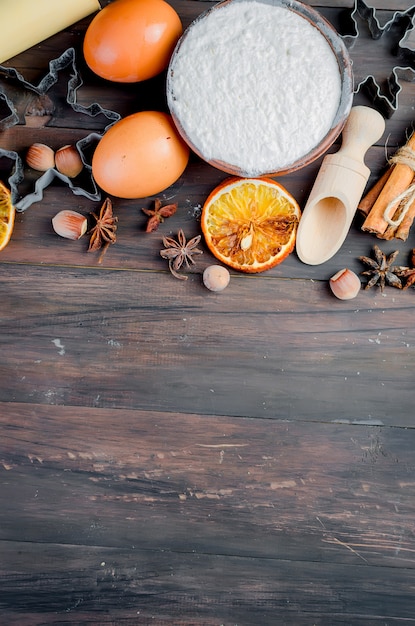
[(173, 456)]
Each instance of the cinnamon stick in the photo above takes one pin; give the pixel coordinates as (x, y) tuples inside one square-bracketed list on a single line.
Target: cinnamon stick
[(404, 227), (366, 203), (398, 181)]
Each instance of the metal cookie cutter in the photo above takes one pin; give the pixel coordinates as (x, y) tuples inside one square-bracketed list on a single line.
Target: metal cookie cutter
[(400, 29), (8, 108)]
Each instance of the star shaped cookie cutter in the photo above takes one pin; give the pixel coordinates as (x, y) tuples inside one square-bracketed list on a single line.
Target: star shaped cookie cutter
[(11, 117), (385, 99)]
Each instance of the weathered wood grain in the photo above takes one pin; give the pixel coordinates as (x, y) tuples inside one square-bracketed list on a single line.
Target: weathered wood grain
[(229, 486), (263, 348), (106, 586), (208, 518)]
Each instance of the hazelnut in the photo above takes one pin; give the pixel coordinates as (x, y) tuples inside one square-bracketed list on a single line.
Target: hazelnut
[(345, 284), (69, 224), (40, 157), (216, 278), (68, 161)]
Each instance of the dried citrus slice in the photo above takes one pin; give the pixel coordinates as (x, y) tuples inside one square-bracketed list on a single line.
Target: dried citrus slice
[(7, 212), (250, 224)]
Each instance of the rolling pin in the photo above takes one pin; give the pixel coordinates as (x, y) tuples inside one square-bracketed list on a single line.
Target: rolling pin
[(338, 188), (28, 22)]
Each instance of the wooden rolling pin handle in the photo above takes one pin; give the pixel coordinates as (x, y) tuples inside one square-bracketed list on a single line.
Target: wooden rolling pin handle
[(26, 23)]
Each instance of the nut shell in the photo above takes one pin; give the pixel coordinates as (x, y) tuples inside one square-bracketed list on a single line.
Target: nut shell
[(40, 157), (216, 278), (69, 224), (345, 284), (68, 161)]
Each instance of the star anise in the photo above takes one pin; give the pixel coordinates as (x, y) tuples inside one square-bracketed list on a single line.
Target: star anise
[(408, 273), (104, 231), (158, 214), (382, 272), (180, 252)]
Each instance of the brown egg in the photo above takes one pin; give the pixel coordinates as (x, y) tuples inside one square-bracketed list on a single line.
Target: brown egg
[(141, 155), (132, 40)]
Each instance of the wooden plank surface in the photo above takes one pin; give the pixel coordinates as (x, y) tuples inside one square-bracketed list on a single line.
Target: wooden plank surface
[(113, 338), (229, 486), (173, 456), (204, 521)]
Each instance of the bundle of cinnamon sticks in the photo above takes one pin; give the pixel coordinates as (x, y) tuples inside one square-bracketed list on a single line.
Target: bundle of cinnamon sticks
[(389, 206)]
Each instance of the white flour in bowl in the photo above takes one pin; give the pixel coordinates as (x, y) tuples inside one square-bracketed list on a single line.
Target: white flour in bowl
[(254, 85)]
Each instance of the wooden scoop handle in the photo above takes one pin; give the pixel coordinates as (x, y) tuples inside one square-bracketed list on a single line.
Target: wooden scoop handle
[(363, 128)]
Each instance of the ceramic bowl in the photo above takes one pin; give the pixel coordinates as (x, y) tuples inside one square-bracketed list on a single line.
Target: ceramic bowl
[(342, 59)]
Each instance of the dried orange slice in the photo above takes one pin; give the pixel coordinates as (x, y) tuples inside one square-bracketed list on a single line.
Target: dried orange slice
[(250, 224), (7, 213)]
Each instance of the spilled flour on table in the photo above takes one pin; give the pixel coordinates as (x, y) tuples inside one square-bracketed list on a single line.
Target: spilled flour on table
[(59, 345)]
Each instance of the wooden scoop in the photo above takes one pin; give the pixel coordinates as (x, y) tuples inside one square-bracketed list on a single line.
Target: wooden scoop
[(338, 188)]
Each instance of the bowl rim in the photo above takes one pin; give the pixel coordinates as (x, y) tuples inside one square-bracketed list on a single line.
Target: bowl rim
[(344, 62)]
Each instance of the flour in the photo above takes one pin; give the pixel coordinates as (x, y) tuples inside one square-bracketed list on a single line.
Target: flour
[(254, 85)]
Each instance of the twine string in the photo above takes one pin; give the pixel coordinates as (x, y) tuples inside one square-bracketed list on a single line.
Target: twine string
[(403, 201)]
